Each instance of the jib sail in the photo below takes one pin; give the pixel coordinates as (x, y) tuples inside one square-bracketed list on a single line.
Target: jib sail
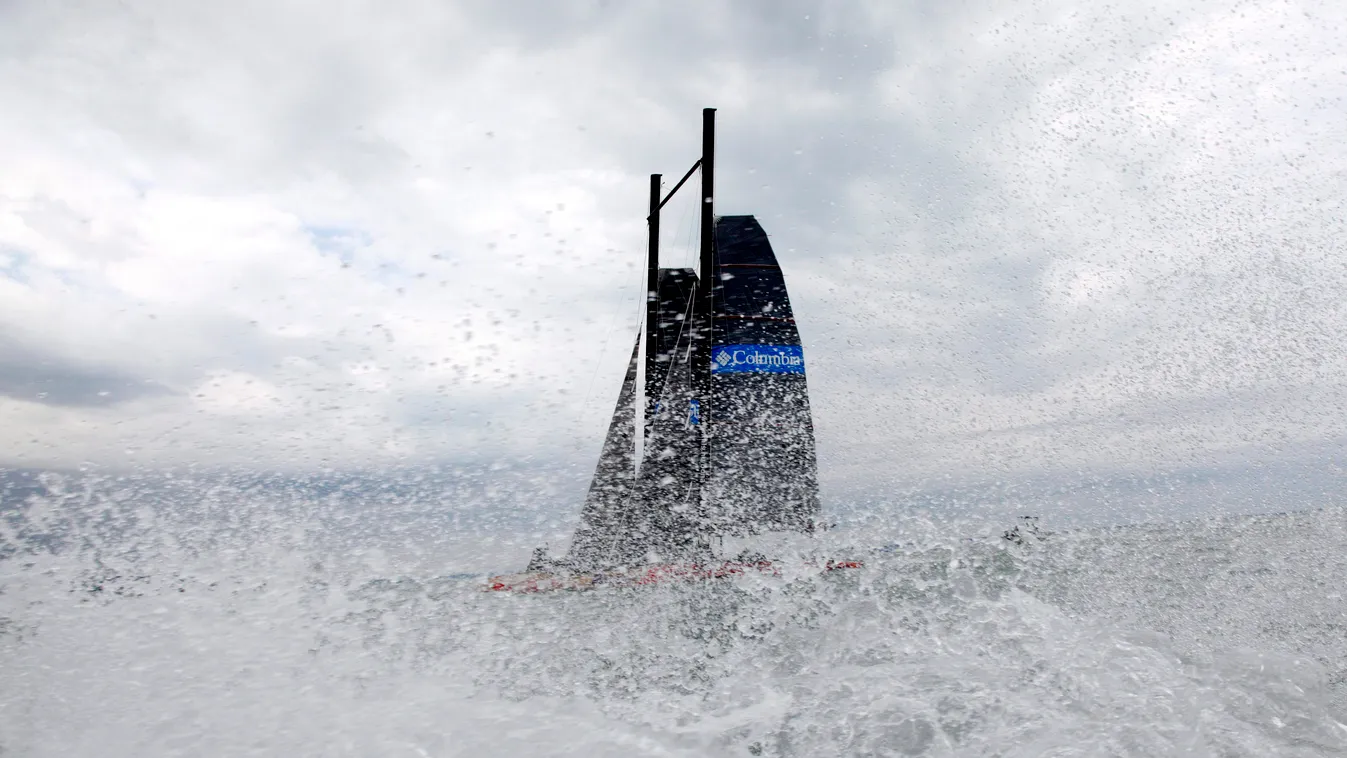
[(607, 519)]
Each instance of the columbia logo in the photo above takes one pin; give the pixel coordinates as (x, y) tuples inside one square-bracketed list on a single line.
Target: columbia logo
[(758, 359)]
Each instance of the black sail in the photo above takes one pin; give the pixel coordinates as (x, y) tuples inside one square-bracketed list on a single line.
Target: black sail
[(764, 474)]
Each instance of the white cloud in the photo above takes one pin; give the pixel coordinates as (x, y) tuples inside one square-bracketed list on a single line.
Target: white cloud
[(1020, 238)]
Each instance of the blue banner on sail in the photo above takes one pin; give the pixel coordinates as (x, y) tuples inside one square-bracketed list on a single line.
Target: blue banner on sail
[(761, 359)]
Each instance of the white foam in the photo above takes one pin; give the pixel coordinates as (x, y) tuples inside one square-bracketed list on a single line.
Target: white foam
[(252, 635)]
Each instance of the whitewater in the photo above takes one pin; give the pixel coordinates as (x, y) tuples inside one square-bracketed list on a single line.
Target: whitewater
[(217, 619)]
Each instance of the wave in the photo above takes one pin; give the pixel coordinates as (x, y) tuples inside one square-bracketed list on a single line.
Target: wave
[(241, 622)]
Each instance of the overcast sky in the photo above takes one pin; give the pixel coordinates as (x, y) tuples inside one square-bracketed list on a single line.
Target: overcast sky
[(1023, 239)]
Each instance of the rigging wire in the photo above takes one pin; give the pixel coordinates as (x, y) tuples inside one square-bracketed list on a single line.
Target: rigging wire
[(688, 227), (686, 224), (603, 350), (673, 357)]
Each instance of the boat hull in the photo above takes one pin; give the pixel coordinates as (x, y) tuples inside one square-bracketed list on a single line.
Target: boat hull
[(530, 582)]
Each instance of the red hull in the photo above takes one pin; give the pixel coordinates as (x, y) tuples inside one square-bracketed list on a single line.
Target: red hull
[(537, 581)]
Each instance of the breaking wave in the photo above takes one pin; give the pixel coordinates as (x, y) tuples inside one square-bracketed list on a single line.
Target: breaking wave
[(229, 623)]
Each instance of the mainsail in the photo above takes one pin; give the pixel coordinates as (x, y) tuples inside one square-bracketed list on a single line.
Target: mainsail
[(763, 472), (728, 439)]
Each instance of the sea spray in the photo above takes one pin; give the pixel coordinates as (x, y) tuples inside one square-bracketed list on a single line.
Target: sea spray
[(134, 621)]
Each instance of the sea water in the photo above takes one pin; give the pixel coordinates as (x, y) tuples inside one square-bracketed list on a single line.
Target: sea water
[(242, 622)]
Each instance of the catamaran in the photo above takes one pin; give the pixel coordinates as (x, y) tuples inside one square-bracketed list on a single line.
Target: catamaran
[(727, 440)]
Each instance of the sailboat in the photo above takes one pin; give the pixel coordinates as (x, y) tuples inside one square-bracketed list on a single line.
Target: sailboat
[(727, 437)]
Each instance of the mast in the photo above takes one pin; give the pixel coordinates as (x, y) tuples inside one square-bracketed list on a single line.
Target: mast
[(652, 349), (701, 353)]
